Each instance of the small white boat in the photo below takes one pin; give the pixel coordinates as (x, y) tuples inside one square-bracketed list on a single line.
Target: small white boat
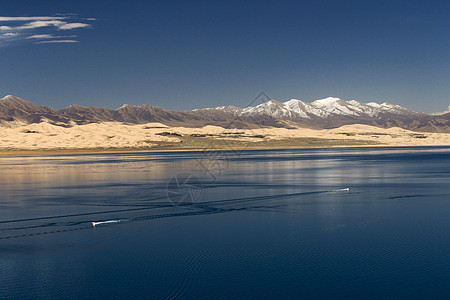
[(343, 190), (104, 222)]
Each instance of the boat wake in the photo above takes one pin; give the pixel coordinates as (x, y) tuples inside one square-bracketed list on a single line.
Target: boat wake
[(106, 222)]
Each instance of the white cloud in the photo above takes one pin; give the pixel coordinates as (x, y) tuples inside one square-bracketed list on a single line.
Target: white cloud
[(57, 41), (40, 36), (55, 23), (39, 24), (12, 19), (44, 28), (69, 26), (50, 36)]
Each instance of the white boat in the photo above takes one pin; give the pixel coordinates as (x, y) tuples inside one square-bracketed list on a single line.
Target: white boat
[(342, 190), (104, 222)]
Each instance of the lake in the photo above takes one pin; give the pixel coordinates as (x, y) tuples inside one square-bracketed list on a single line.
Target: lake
[(360, 223)]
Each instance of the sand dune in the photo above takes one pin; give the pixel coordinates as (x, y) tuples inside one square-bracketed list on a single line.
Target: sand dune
[(114, 135)]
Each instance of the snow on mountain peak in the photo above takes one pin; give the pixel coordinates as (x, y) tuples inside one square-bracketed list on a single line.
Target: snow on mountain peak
[(11, 98), (270, 103), (354, 102), (321, 108), (303, 109), (293, 101), (124, 106), (374, 104), (272, 108), (338, 106), (326, 101)]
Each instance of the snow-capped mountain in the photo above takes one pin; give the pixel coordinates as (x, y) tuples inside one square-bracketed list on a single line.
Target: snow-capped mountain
[(323, 113), (322, 108), (272, 108)]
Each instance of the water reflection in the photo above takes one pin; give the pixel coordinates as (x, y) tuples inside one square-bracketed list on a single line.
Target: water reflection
[(270, 222), (123, 186)]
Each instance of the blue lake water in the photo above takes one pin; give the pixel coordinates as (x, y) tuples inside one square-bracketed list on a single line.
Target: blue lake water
[(226, 225)]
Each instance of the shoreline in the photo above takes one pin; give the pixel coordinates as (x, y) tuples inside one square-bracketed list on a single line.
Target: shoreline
[(51, 152)]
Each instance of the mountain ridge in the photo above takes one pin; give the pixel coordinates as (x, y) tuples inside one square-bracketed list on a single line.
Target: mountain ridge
[(330, 112)]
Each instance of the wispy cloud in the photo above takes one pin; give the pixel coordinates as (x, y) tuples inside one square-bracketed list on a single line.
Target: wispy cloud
[(49, 36), (40, 36), (12, 19), (39, 24), (40, 29), (57, 41), (69, 26)]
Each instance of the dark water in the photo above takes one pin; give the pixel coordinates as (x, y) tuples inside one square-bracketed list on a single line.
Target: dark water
[(253, 224)]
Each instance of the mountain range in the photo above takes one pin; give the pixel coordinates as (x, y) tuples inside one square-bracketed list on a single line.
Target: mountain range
[(324, 113)]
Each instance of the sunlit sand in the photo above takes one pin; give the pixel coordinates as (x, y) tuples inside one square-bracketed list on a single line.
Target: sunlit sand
[(114, 136)]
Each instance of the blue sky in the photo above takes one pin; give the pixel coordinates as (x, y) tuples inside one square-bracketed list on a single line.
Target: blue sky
[(189, 54)]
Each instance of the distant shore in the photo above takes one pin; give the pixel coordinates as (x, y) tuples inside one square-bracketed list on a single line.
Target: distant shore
[(44, 152), (125, 150), (47, 139)]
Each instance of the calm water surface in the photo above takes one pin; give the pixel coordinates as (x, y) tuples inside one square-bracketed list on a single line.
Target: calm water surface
[(225, 225)]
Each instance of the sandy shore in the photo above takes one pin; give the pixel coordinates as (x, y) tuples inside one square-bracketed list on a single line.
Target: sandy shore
[(45, 138)]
